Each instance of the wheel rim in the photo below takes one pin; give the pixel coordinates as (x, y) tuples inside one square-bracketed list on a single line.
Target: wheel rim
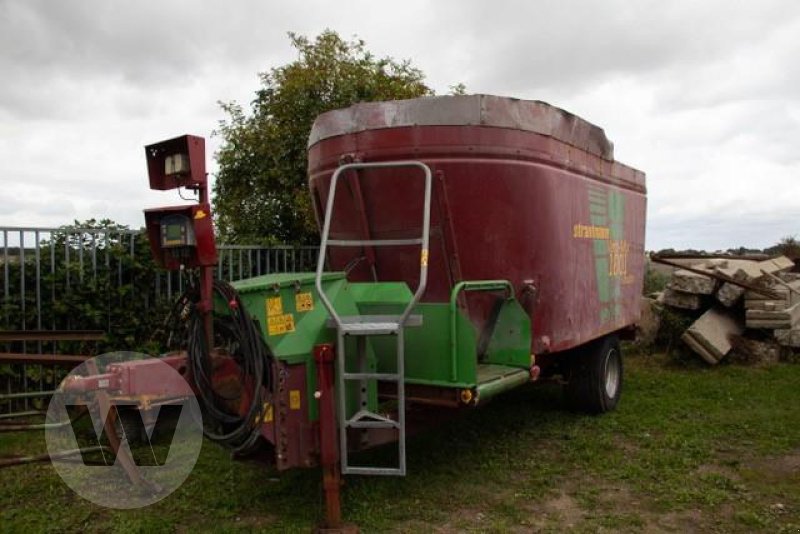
[(612, 373)]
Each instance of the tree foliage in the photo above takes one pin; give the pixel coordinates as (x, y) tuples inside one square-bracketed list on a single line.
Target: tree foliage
[(91, 275), (788, 246), (261, 193)]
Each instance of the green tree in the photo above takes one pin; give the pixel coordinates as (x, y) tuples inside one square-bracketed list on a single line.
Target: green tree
[(788, 246), (260, 193), (458, 89)]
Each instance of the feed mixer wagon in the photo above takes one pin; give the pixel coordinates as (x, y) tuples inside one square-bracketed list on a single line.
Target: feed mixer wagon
[(469, 245)]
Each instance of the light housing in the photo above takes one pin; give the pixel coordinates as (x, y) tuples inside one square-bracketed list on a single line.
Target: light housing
[(178, 162)]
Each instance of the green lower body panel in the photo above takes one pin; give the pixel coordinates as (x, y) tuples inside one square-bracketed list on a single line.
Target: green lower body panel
[(443, 349), (495, 379)]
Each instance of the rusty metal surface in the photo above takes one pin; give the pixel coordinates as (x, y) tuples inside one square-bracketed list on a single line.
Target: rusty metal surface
[(51, 335), (519, 206), (123, 456), (60, 360), (193, 147), (328, 442), (285, 425), (296, 441), (466, 110)]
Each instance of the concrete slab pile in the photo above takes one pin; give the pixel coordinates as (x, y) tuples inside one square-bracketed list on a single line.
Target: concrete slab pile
[(748, 306), (710, 336), (773, 317)]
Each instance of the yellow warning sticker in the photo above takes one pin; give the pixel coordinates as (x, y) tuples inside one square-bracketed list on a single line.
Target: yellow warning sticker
[(423, 260), (303, 302), (268, 414), (274, 306), (294, 399), (280, 324)]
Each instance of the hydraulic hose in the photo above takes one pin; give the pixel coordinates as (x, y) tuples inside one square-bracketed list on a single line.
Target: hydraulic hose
[(251, 353)]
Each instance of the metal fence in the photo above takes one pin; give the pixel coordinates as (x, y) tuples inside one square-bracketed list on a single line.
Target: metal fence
[(68, 279)]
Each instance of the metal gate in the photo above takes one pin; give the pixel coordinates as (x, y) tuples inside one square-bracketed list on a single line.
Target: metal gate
[(72, 292)]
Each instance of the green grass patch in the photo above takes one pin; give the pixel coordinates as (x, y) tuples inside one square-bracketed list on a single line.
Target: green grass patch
[(704, 448)]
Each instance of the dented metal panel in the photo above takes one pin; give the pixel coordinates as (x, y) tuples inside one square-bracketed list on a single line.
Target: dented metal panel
[(468, 110), (524, 192)]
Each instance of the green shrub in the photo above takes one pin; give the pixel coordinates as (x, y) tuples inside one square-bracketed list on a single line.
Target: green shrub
[(116, 292), (654, 280)]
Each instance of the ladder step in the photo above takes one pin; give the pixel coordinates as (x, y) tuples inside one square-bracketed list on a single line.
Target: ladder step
[(368, 419), (388, 377), (389, 471), (372, 424), (370, 329), (374, 324)]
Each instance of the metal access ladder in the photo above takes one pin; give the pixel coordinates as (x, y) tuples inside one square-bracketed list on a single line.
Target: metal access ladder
[(363, 326)]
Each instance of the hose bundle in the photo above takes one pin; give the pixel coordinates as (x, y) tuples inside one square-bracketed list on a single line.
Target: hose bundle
[(250, 352)]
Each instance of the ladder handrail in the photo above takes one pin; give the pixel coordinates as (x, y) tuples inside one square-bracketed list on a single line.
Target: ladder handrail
[(423, 275)]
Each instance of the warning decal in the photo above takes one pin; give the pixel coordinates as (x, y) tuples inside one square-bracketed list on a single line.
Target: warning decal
[(280, 324), (303, 302), (294, 399), (274, 306)]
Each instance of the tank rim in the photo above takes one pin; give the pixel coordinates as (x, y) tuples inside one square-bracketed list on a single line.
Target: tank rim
[(465, 110)]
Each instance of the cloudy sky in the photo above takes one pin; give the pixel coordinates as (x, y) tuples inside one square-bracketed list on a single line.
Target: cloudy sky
[(702, 96)]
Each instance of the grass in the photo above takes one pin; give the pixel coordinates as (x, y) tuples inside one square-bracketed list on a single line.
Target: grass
[(713, 449)]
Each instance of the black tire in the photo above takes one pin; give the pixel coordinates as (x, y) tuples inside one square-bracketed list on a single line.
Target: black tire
[(596, 376)]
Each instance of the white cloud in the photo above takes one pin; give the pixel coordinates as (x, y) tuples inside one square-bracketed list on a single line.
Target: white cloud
[(701, 96)]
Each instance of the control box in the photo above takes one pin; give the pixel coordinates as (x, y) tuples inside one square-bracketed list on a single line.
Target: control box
[(181, 236)]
